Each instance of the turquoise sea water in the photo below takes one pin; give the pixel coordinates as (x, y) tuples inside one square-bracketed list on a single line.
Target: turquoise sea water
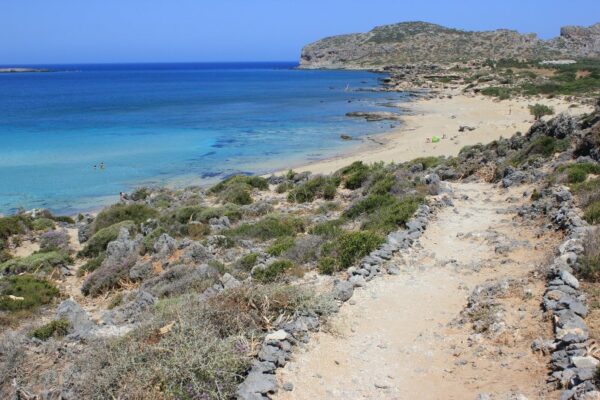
[(167, 124)]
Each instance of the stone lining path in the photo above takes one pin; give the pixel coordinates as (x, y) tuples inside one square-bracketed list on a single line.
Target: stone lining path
[(404, 336)]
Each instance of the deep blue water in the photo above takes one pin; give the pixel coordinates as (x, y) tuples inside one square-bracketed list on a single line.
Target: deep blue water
[(167, 124)]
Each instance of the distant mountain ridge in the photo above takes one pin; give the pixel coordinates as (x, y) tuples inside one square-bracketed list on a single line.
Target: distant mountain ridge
[(413, 42)]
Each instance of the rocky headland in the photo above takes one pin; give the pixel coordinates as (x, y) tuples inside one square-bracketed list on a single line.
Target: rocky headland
[(422, 42)]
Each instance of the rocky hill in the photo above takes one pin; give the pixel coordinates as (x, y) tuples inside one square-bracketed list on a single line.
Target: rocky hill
[(410, 42)]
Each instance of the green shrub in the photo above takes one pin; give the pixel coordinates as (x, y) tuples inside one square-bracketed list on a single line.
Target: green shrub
[(382, 183), (328, 229), (35, 293), (592, 212), (535, 195), (98, 242), (92, 264), (354, 175), (270, 227), (281, 244), (327, 265), (589, 268), (236, 194), (577, 173), (541, 146), (539, 110), (426, 162), (14, 225), (314, 188), (284, 187), (43, 224), (369, 204), (391, 216), (273, 271), (499, 92), (149, 239), (137, 213), (63, 218), (5, 256), (248, 261), (140, 194), (350, 247), (35, 263), (56, 328), (197, 230), (355, 245), (251, 181)]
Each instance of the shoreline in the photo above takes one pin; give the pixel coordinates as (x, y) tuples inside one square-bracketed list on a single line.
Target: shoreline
[(445, 114)]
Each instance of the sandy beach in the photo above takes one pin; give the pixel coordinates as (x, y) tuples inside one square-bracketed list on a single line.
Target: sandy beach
[(492, 119)]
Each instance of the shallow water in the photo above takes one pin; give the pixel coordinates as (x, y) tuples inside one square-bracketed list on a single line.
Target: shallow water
[(168, 123)]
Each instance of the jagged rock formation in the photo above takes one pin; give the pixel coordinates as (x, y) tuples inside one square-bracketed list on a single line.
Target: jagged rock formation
[(411, 42)]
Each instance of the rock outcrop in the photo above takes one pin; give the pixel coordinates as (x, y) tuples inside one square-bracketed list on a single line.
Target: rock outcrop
[(412, 42)]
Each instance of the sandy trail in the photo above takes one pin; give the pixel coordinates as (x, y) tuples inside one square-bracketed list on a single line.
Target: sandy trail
[(395, 338)]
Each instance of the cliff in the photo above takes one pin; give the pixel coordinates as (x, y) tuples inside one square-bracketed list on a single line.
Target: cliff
[(413, 42)]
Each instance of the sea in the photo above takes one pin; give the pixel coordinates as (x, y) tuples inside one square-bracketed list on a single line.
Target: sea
[(72, 139)]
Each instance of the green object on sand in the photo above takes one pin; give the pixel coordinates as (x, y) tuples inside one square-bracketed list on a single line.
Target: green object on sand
[(435, 139)]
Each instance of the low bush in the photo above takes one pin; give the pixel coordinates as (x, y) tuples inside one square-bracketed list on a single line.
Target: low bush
[(117, 213), (354, 175), (391, 216), (56, 328), (306, 249), (29, 291), (36, 263), (5, 256), (91, 265), (578, 172), (273, 271), (281, 244), (592, 212), (318, 187), (385, 213), (54, 240), (98, 242), (541, 146), (426, 162), (381, 183), (284, 187), (140, 194), (355, 245), (589, 262), (197, 230), (14, 225), (109, 275), (270, 227), (237, 194), (328, 229), (181, 279), (539, 110), (251, 181), (43, 224), (351, 246), (248, 261), (499, 92), (327, 265), (206, 352)]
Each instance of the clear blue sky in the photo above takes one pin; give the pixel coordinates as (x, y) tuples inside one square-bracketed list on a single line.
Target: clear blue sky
[(65, 31)]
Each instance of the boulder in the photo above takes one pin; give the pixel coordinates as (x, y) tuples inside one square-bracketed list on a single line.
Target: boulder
[(343, 290)]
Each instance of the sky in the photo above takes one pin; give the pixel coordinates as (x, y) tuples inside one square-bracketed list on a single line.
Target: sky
[(105, 31)]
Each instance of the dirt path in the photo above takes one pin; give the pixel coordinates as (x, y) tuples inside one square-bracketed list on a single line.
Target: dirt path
[(402, 337)]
